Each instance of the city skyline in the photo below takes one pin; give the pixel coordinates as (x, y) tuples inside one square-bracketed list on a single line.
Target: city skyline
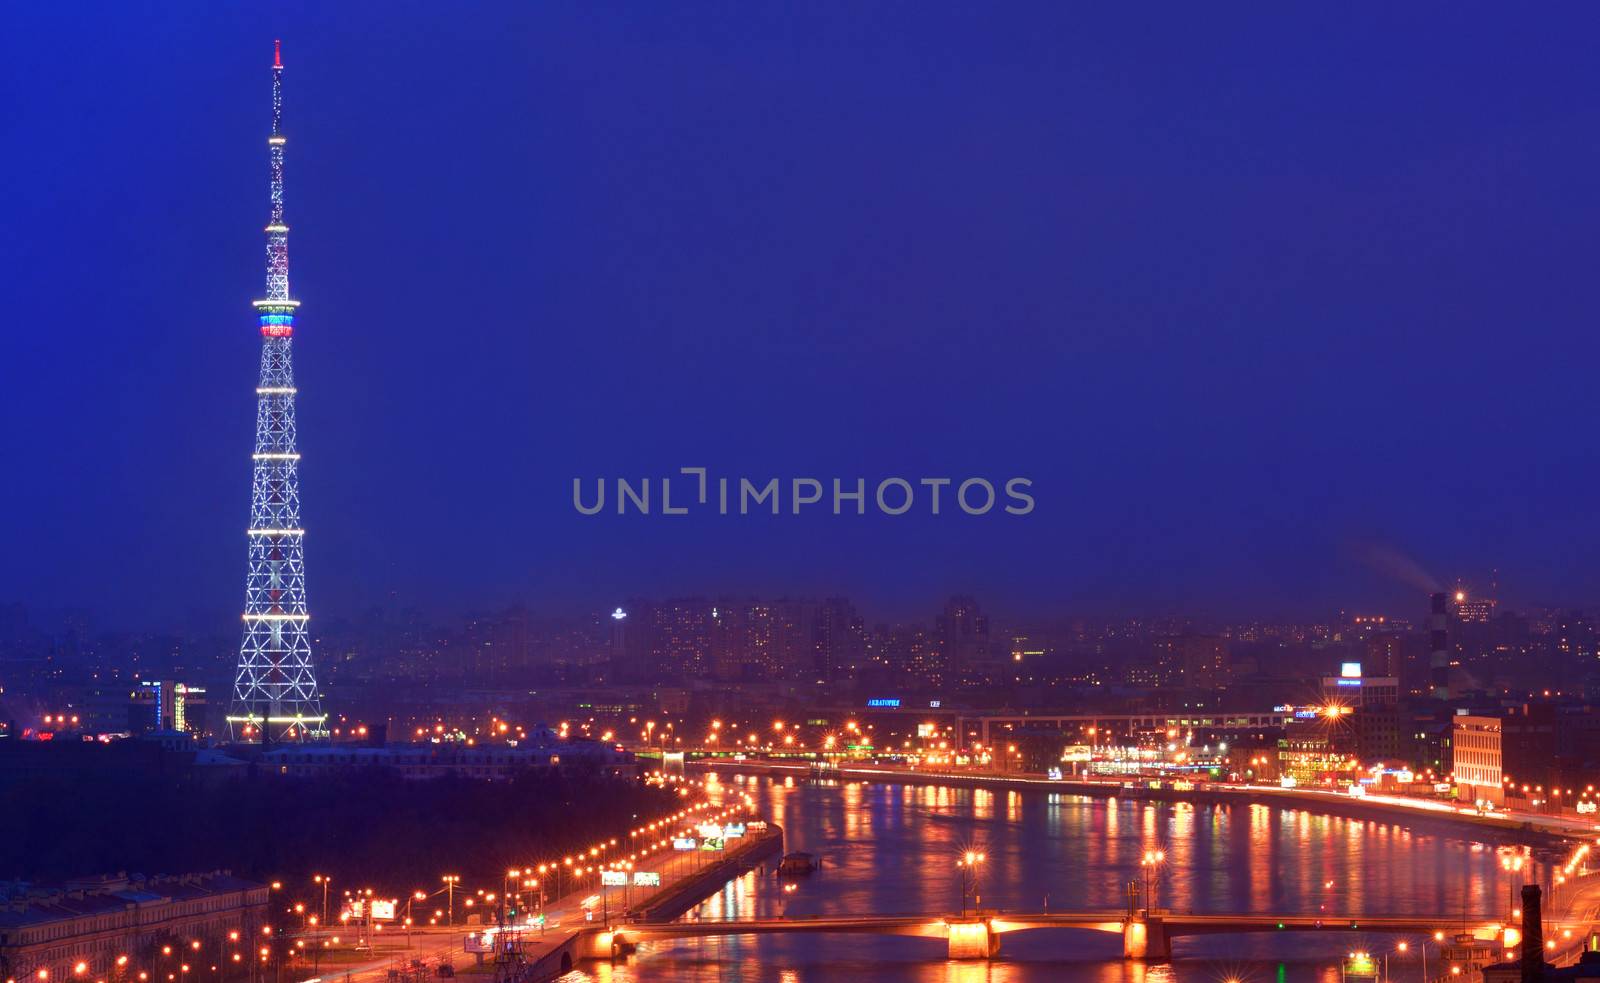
[(1408, 608), (1233, 319)]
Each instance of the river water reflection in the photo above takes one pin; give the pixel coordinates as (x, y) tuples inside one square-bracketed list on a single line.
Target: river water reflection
[(891, 849)]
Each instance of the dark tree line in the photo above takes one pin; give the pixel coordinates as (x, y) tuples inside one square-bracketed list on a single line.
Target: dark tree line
[(365, 827)]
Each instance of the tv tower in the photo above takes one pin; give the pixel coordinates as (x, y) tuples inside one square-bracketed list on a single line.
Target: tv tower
[(275, 692)]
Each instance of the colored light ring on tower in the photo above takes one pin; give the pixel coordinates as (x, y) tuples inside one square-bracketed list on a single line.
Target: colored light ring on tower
[(277, 325), (277, 317)]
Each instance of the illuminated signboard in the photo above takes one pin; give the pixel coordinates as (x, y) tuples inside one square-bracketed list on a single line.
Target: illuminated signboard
[(708, 829), (711, 843), (1349, 682), (884, 701), (731, 830), (614, 878), (1350, 670), (684, 843), (646, 878), (1361, 964), (377, 910)]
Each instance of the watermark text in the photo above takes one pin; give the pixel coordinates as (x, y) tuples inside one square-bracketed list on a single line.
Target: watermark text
[(695, 490)]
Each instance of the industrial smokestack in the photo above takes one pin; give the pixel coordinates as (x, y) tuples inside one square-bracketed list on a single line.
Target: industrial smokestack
[(1532, 935), (1439, 658)]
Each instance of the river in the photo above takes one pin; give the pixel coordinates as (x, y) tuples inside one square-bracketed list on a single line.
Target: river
[(891, 849)]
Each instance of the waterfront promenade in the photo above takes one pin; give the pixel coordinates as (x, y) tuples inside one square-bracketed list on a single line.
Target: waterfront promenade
[(1537, 828)]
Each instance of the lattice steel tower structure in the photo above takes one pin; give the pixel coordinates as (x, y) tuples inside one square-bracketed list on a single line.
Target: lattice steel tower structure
[(275, 694)]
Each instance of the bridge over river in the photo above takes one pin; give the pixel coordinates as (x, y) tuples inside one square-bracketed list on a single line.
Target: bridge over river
[(1145, 935)]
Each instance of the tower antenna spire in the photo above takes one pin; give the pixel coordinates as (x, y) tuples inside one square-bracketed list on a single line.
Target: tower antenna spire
[(277, 231), (277, 53)]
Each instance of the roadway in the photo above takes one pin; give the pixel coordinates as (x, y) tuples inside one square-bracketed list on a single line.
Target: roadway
[(564, 916), (1503, 821), (1572, 914)]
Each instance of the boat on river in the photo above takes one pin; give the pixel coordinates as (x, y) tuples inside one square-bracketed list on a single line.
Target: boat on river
[(798, 864)]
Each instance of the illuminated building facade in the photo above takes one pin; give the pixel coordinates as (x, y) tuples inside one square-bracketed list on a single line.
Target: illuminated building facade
[(1478, 756), (1353, 689), (1192, 661), (1312, 760), (681, 647), (164, 704), (1474, 610), (111, 926), (275, 692)]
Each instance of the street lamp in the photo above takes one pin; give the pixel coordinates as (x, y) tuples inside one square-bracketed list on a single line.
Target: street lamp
[(968, 865), (324, 881), (450, 882), (415, 896), (1151, 860)]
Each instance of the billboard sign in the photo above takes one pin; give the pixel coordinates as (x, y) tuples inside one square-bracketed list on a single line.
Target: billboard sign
[(614, 878), (382, 911), (646, 878), (684, 843), (711, 843)]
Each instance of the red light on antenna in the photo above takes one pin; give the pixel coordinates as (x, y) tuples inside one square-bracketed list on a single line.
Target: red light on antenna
[(277, 53)]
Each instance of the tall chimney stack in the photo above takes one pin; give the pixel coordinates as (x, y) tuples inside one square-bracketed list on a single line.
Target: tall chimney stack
[(1532, 935), (1439, 659)]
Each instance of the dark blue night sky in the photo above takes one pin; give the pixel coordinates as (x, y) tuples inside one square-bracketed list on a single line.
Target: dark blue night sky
[(1239, 290)]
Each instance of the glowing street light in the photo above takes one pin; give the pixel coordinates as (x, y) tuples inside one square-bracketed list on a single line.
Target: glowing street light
[(450, 882), (968, 865), (1151, 861)]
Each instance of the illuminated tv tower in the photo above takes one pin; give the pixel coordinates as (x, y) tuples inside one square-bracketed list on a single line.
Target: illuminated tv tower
[(275, 694)]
